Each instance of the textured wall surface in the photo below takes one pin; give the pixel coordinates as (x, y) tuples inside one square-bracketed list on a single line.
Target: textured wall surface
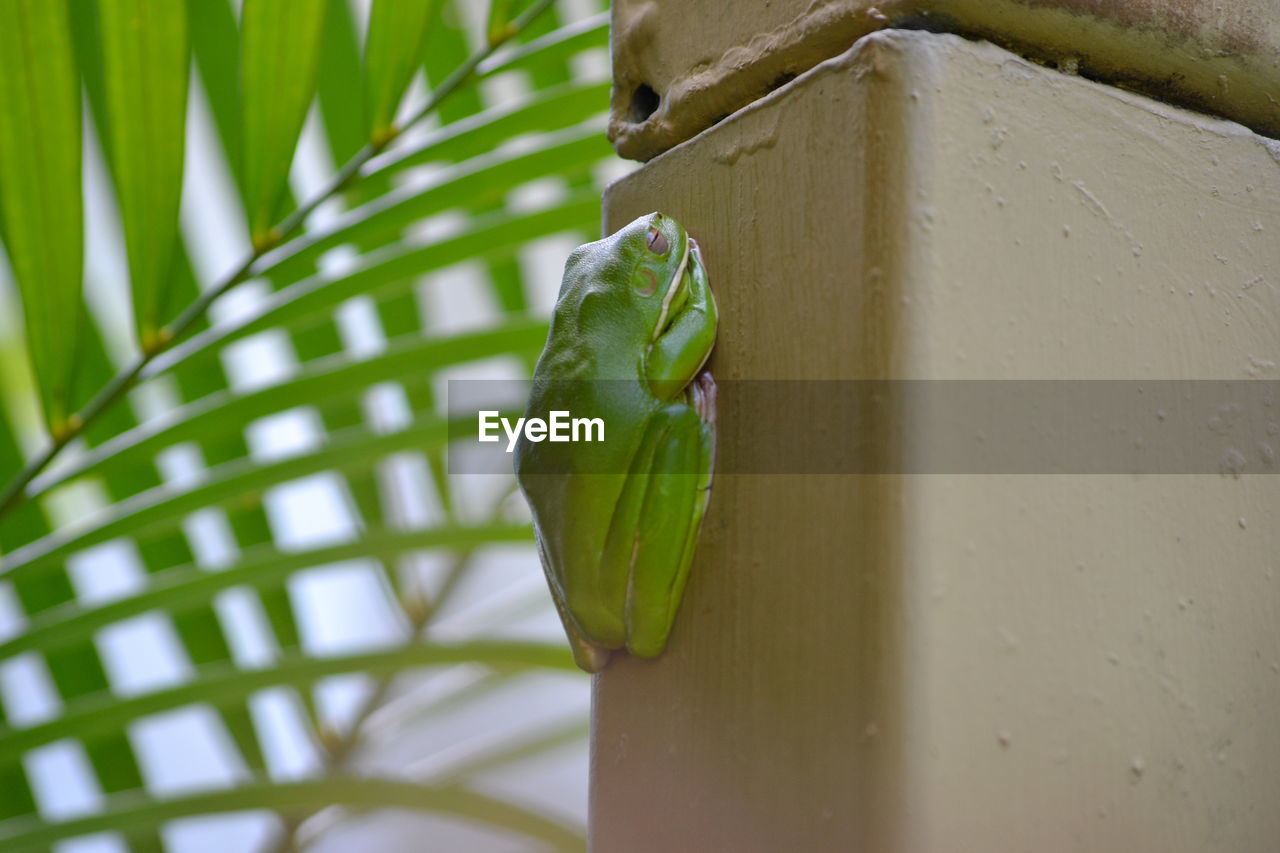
[(681, 66), (966, 662)]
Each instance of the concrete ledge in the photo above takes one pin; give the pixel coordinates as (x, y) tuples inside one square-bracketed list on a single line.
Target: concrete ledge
[(680, 67)]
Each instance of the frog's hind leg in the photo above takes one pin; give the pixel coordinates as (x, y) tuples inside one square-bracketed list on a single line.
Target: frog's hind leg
[(673, 504)]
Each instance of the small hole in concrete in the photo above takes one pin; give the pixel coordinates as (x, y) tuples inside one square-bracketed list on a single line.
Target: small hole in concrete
[(781, 80), (644, 103)]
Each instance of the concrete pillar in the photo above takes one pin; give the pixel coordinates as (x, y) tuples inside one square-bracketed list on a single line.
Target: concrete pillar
[(955, 662)]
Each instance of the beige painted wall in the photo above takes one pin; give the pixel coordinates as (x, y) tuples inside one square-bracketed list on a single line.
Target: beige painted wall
[(953, 663)]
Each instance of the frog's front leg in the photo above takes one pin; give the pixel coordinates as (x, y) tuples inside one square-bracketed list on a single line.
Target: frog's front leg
[(681, 348), (655, 529)]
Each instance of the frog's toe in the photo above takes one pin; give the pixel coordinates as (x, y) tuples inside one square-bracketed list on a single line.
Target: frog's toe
[(702, 391)]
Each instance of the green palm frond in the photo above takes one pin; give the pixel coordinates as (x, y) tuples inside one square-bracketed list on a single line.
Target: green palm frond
[(368, 165)]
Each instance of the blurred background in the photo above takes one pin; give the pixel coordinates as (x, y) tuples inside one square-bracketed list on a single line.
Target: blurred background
[(247, 607)]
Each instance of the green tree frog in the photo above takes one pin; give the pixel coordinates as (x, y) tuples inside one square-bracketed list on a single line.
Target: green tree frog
[(617, 520)]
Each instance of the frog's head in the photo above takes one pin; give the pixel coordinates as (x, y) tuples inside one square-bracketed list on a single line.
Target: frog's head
[(659, 258), (620, 295)]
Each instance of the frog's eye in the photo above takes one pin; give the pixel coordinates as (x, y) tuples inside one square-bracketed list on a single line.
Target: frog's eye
[(658, 242)]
